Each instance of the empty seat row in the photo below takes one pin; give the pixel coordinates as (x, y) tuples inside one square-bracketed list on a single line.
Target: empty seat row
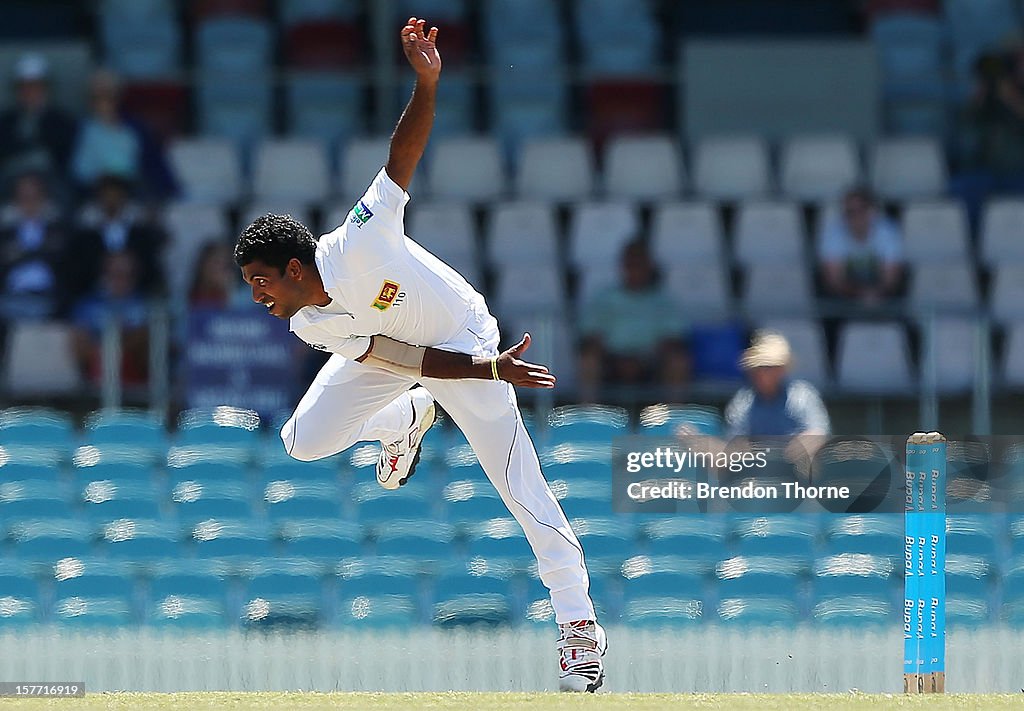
[(561, 169)]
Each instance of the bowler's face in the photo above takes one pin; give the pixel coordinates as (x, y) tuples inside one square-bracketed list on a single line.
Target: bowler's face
[(279, 292)]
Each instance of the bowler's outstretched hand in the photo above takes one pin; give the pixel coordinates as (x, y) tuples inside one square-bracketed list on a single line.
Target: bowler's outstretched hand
[(420, 48), (519, 372)]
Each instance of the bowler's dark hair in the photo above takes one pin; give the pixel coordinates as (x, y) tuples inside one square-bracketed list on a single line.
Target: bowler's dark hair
[(275, 240)]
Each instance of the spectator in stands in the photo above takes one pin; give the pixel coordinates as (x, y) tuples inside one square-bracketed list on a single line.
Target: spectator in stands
[(632, 334), (105, 145), (119, 298), (114, 223), (773, 405), (35, 135), (33, 249), (113, 143), (215, 283), (860, 252), (988, 149)]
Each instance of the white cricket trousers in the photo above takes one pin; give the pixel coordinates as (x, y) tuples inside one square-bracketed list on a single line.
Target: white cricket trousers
[(350, 402)]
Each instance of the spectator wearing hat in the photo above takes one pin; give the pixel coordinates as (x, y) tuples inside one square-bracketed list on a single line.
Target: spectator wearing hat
[(35, 135), (860, 252), (774, 405)]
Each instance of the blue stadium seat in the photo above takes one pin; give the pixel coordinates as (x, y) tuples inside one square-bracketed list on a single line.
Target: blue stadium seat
[(787, 536), (911, 50), (187, 612), (867, 534), (286, 500), (232, 539), (424, 539), (50, 541), (38, 427), (141, 540), (659, 612), (234, 44), (582, 498), (605, 539), (147, 49), (587, 423), (188, 595), (17, 612), (19, 463), (437, 11), (662, 591), (321, 540), (33, 499), (93, 612), (322, 470), (969, 598), (18, 583), (193, 501), (853, 575), (854, 611), (476, 595), (295, 11), (632, 50), (326, 106), (741, 577), (207, 467), (126, 428), (456, 104), (236, 107), (377, 504), (362, 459), (469, 501), (1016, 529), (746, 612), (971, 535), (976, 25), (107, 500), (380, 611), (498, 538), (221, 426), (577, 461), (527, 32), (284, 593), (373, 575), (666, 420), (94, 464), (700, 538), (106, 581)]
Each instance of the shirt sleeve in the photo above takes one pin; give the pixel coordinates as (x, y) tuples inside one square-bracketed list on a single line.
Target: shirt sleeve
[(890, 244), (832, 245), (737, 414), (807, 408), (381, 209), (351, 347)]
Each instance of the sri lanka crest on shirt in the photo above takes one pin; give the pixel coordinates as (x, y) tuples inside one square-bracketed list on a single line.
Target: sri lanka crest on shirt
[(387, 295)]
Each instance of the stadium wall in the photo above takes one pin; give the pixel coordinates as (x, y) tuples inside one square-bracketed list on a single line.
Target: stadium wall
[(715, 660)]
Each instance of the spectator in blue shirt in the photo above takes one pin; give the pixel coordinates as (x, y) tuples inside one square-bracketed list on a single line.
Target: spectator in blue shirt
[(774, 405), (633, 334)]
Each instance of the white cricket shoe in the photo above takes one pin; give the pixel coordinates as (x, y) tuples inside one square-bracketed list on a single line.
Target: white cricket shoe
[(398, 459), (581, 645)]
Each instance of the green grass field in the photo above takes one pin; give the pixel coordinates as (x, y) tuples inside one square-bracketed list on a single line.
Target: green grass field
[(511, 701)]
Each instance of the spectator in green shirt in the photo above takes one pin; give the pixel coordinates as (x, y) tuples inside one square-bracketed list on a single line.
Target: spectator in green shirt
[(633, 335)]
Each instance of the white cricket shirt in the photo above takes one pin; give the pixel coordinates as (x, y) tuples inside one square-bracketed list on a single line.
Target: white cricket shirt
[(382, 282)]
